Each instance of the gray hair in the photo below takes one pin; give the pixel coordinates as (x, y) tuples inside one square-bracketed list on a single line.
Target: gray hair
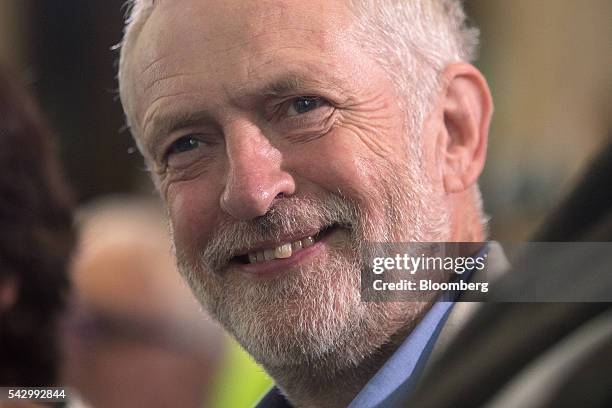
[(420, 36), (137, 13)]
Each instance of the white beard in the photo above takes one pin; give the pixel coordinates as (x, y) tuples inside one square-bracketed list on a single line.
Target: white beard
[(314, 314)]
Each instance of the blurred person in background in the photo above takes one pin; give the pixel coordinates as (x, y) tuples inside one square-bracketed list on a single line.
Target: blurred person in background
[(36, 240), (135, 336)]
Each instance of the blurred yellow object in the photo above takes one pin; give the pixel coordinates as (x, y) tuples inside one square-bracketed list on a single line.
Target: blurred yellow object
[(241, 381)]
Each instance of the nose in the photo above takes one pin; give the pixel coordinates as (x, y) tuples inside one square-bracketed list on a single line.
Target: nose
[(254, 176)]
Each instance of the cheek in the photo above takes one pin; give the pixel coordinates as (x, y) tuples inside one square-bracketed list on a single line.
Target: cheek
[(337, 164), (193, 212)]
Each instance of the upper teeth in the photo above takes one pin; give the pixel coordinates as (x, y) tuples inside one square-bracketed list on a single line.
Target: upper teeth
[(282, 251)]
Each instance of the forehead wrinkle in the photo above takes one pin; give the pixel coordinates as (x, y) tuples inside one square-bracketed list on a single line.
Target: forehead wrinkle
[(284, 85), (241, 44), (157, 81), (155, 105), (247, 42), (295, 81), (236, 47), (162, 123), (163, 63), (253, 69), (152, 64)]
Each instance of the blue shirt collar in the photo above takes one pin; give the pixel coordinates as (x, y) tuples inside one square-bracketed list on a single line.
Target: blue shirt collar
[(398, 375)]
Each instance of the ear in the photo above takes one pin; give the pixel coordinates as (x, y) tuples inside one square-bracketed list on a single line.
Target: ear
[(466, 110)]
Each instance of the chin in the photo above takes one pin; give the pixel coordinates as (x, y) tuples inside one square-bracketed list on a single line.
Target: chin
[(308, 315)]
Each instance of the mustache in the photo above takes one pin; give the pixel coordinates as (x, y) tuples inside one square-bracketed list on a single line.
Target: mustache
[(288, 216)]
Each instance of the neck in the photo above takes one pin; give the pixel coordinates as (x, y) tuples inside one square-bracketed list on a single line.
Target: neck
[(323, 384)]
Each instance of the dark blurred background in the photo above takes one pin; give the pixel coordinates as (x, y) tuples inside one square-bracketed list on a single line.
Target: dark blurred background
[(548, 63), (62, 49)]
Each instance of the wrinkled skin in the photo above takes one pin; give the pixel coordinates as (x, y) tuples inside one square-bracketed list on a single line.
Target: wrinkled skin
[(266, 121)]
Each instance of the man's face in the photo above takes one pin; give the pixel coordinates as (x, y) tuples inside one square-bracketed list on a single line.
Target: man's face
[(280, 147)]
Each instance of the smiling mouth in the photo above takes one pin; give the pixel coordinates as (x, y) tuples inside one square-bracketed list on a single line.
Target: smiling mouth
[(284, 250)]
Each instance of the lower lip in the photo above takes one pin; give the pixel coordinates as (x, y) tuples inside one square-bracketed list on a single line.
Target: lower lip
[(269, 269)]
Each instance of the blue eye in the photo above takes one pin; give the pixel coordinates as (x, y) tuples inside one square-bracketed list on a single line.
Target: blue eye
[(304, 104), (184, 144)]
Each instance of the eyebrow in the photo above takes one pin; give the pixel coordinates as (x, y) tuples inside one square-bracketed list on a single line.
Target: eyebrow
[(296, 81), (286, 84), (162, 124), (291, 82)]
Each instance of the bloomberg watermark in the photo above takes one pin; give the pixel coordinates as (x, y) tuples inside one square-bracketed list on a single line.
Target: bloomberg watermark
[(488, 271)]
